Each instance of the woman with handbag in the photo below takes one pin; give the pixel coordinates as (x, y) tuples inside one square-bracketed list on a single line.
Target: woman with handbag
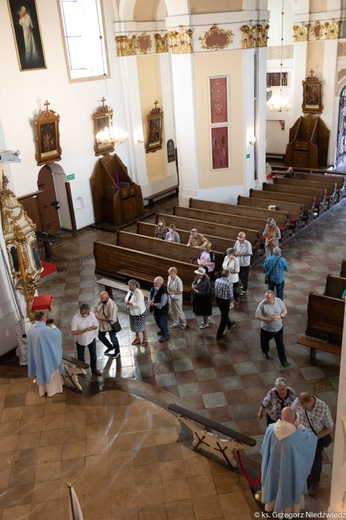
[(201, 296), (272, 236), (107, 314), (134, 301)]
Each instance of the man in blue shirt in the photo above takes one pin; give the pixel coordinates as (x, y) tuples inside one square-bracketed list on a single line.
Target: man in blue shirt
[(223, 289), (275, 267)]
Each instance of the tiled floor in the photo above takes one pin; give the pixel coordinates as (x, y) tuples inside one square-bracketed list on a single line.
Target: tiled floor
[(119, 450)]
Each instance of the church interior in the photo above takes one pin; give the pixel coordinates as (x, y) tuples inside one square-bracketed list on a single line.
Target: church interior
[(134, 110)]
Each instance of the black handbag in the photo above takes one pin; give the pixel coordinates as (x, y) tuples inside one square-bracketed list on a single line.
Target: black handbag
[(116, 327), (326, 440)]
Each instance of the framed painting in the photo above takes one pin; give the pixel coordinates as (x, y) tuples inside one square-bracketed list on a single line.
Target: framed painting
[(27, 36), (312, 95), (154, 129), (47, 137), (104, 141)]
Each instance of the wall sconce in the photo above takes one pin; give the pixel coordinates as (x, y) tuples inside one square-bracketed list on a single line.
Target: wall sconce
[(282, 124), (252, 140)]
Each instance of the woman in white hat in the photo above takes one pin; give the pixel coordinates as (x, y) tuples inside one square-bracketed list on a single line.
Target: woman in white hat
[(201, 296)]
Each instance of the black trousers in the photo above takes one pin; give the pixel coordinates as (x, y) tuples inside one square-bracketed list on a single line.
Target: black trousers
[(244, 276), (225, 320), (316, 470), (266, 336)]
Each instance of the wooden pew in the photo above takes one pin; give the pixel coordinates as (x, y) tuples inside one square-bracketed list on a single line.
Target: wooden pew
[(162, 248), (331, 187), (343, 269), (294, 210), (317, 344), (335, 286), (209, 228), (325, 317), (340, 180), (320, 195), (277, 198), (120, 263), (221, 218), (219, 244)]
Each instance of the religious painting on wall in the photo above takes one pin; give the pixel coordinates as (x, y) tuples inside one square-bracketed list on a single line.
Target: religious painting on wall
[(154, 129), (47, 137), (26, 32), (218, 92), (104, 141), (312, 95)]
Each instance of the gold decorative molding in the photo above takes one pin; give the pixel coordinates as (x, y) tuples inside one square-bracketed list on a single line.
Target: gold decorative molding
[(254, 36), (126, 46), (180, 42), (216, 38), (316, 31), (161, 43), (144, 43)]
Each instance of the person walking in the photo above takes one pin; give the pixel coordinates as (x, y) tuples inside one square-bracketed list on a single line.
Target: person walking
[(158, 301), (243, 251), (201, 296), (175, 294), (45, 356), (107, 313), (83, 325), (272, 236), (279, 397), (134, 301), (270, 312), (223, 289), (231, 263), (314, 415), (287, 456), (274, 268)]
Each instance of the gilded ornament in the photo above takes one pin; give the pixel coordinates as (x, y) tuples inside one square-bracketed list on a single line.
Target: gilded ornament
[(126, 46), (180, 42), (247, 41), (144, 43), (161, 43), (216, 38)]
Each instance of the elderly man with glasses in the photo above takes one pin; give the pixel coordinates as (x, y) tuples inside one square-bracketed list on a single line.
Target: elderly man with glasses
[(243, 251)]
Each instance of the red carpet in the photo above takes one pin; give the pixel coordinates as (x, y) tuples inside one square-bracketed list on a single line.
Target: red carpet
[(48, 268)]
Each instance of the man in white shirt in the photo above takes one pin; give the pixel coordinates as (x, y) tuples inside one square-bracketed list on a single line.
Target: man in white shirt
[(84, 324), (243, 251)]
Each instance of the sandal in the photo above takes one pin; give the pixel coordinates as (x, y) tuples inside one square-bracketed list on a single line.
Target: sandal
[(136, 342), (144, 343)]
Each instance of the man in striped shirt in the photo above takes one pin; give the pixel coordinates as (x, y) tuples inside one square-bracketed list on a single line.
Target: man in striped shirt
[(224, 297)]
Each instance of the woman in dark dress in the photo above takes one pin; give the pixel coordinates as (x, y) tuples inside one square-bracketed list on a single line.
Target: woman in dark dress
[(201, 296)]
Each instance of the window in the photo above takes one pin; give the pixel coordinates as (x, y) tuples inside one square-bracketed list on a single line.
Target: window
[(84, 38)]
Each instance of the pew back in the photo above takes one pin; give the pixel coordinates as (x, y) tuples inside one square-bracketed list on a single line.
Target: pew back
[(319, 193), (325, 317), (293, 209), (299, 184), (343, 269), (335, 286), (307, 201)]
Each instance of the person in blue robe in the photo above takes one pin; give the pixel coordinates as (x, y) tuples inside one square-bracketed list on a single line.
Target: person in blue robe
[(45, 355), (287, 456)]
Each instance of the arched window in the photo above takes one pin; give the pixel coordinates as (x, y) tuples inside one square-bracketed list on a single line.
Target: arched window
[(82, 26)]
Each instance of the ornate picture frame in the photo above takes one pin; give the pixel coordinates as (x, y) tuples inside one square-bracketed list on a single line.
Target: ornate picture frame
[(312, 95), (154, 129), (26, 33), (104, 140), (47, 137)]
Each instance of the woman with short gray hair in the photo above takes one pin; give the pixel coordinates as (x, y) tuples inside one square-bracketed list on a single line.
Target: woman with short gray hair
[(276, 399)]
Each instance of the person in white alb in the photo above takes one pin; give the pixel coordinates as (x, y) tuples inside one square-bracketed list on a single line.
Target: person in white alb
[(83, 325), (175, 293)]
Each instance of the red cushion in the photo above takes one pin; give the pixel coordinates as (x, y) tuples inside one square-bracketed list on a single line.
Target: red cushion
[(42, 302)]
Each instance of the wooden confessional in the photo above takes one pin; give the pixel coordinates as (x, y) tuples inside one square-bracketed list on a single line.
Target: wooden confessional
[(308, 143), (116, 198)]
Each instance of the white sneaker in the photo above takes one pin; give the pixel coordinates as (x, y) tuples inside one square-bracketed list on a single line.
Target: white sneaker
[(174, 326), (184, 326), (204, 325)]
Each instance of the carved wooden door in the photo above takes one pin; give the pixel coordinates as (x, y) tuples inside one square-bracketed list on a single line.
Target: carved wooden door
[(47, 201)]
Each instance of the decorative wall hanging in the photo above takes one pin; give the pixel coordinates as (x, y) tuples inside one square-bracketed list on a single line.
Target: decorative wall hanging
[(104, 140), (26, 32), (216, 38), (154, 125), (312, 94), (47, 136)]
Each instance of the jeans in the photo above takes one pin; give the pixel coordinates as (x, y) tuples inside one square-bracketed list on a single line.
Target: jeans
[(266, 336), (162, 323), (224, 309), (244, 276), (316, 470), (279, 288), (110, 346), (92, 353)]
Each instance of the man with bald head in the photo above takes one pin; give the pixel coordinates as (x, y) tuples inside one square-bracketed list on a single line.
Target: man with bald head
[(287, 456)]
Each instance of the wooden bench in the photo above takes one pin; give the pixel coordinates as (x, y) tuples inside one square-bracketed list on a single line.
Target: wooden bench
[(120, 263), (241, 222), (72, 372), (219, 244), (278, 197), (282, 217), (294, 210), (159, 247), (109, 285), (335, 286), (164, 194), (209, 228), (343, 269), (208, 442), (325, 317), (331, 187), (320, 194), (316, 344), (340, 180)]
